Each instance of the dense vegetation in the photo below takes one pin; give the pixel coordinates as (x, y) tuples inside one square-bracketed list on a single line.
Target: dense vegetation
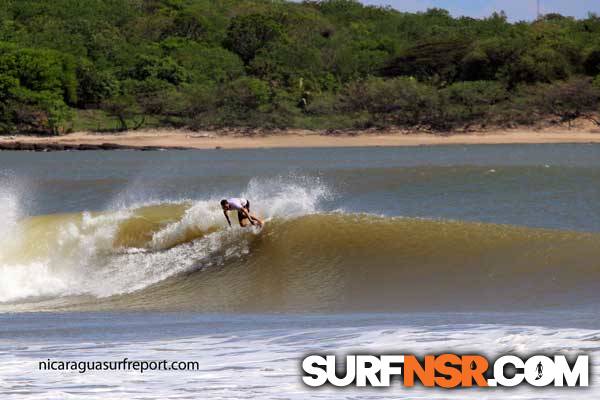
[(123, 64)]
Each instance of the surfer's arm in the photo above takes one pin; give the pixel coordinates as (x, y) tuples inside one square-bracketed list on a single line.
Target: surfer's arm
[(260, 223), (252, 218), (227, 218)]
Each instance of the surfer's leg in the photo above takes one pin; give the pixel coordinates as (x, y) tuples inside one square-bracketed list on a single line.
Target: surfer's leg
[(243, 220)]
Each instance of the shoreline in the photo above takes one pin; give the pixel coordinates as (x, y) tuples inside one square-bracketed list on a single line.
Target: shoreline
[(183, 140)]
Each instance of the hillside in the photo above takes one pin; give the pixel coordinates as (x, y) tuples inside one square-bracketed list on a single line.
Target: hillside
[(123, 64)]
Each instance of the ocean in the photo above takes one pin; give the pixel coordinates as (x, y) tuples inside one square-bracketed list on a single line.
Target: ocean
[(488, 249)]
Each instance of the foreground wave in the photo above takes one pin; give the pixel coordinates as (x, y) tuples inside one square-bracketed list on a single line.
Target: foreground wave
[(180, 256)]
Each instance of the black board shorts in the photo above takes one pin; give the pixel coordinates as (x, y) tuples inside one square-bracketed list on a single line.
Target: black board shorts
[(247, 207)]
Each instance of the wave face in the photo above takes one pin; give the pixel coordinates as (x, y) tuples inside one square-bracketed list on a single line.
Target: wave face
[(180, 256)]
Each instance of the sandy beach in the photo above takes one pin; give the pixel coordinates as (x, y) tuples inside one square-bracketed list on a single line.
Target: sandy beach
[(302, 138)]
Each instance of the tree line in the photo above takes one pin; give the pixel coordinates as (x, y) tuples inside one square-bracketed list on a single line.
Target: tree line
[(334, 64)]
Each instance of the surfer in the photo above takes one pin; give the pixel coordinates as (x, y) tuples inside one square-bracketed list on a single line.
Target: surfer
[(242, 206)]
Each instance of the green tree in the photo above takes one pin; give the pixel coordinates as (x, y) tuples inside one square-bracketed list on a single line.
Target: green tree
[(539, 65), (94, 86), (592, 63), (283, 63), (205, 63), (436, 61), (250, 33), (163, 68), (36, 85), (126, 110)]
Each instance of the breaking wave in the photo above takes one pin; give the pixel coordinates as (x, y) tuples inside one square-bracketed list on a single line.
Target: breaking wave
[(180, 255)]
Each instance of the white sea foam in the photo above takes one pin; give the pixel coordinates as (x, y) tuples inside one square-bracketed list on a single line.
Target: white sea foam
[(290, 196), (279, 197), (259, 363), (133, 271), (67, 266), (201, 216), (31, 280), (80, 258), (10, 201)]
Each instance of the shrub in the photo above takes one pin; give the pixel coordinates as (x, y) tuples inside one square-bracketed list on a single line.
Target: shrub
[(40, 112), (569, 100), (401, 101), (470, 102)]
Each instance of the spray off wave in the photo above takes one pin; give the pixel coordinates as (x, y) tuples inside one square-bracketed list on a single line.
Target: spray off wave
[(181, 256), (101, 254)]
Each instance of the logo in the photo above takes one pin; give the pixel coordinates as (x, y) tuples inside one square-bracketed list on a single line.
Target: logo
[(444, 371)]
